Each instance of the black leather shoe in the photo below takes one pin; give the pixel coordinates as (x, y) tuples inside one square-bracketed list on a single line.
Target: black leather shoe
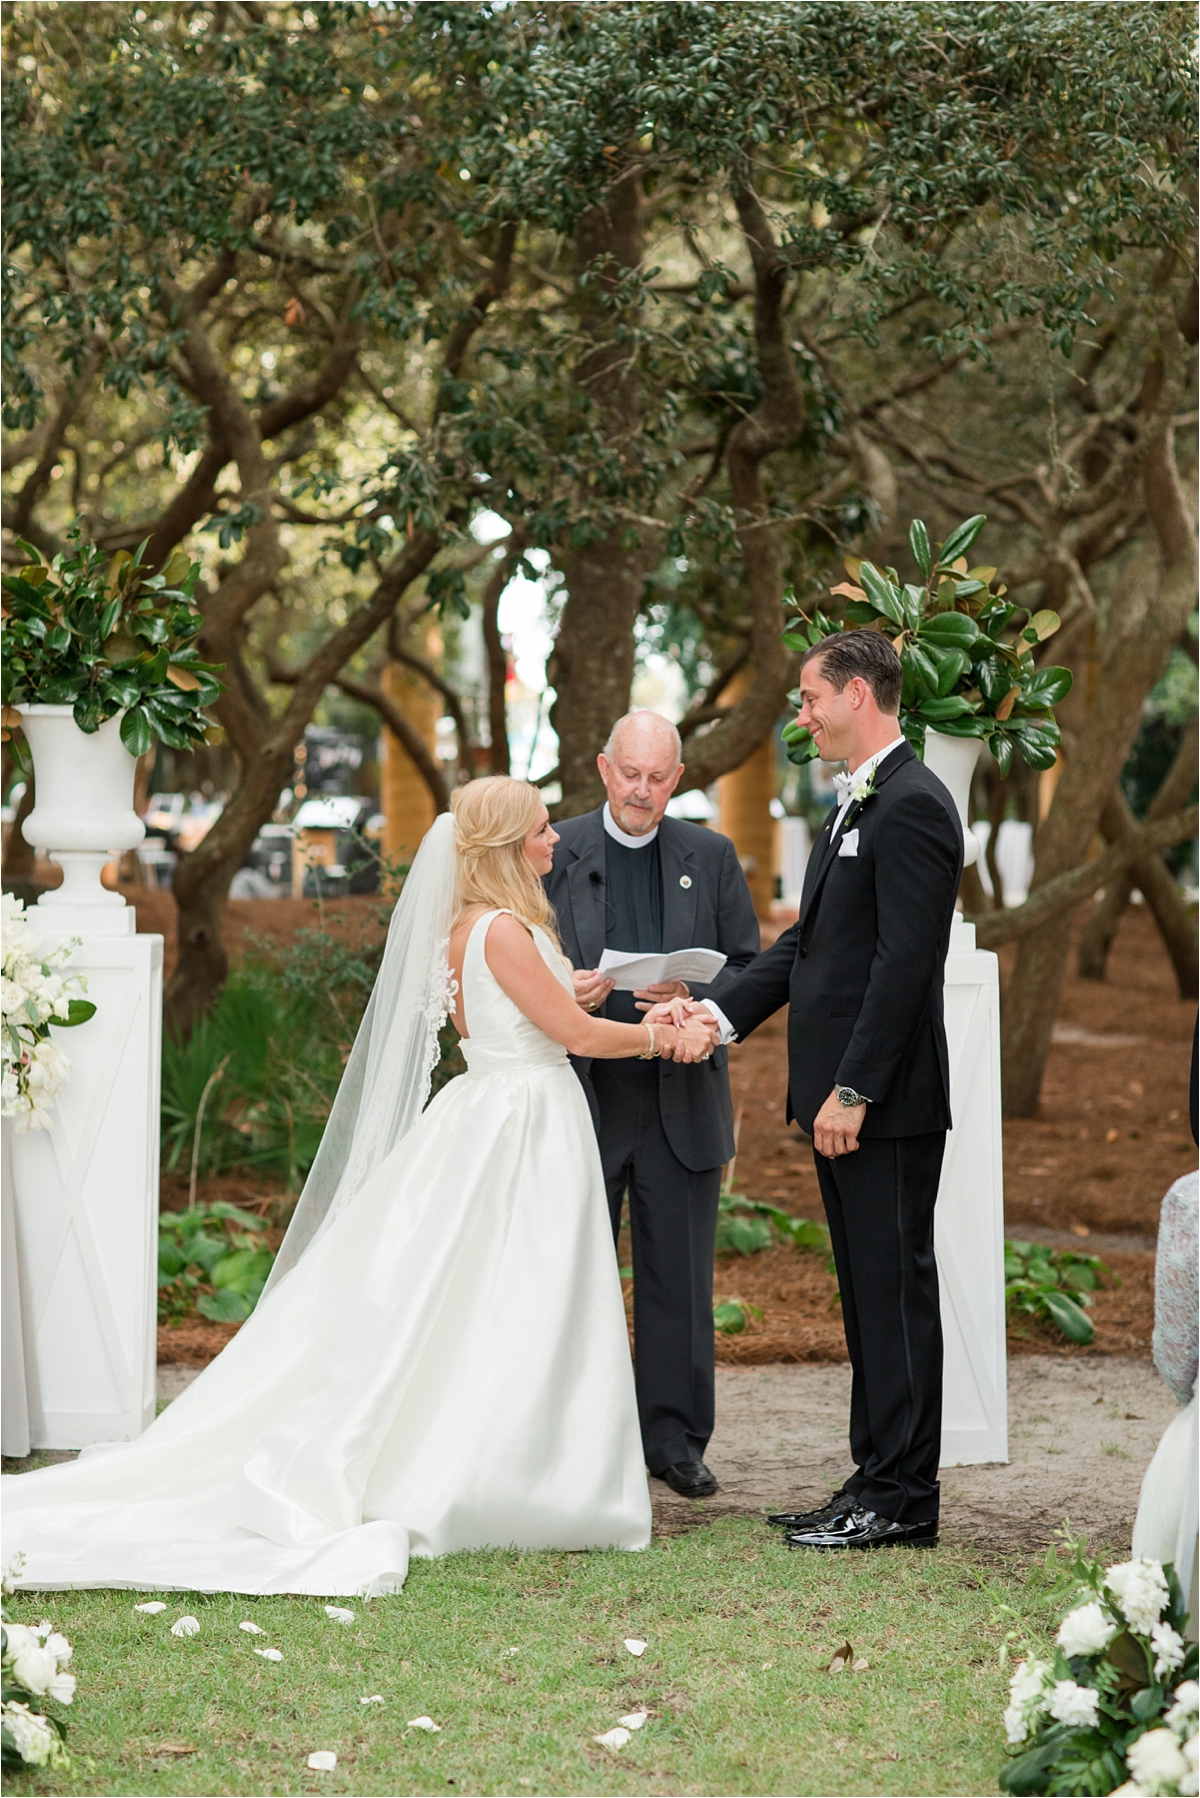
[(838, 1505), (691, 1479), (865, 1529)]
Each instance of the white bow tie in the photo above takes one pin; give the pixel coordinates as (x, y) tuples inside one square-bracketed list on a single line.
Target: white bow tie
[(842, 785)]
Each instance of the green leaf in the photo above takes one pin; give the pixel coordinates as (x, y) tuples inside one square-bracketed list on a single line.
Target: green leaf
[(950, 630), (1001, 749), (78, 1012), (1044, 624), (136, 733), (881, 593), (1070, 1317), (934, 711), (225, 1307), (952, 665), (171, 1260), (918, 542), (961, 539), (791, 640), (1046, 688), (243, 1271)]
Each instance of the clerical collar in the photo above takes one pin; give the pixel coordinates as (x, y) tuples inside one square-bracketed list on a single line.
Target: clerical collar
[(622, 836)]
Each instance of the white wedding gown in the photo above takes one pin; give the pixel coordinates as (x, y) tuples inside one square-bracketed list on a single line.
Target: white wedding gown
[(446, 1367)]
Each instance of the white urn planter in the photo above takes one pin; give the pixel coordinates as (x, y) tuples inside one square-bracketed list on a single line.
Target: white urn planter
[(953, 760), (968, 1228), (80, 1242), (83, 816)]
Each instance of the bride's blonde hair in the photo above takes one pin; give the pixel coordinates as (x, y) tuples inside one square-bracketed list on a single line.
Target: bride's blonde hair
[(492, 818)]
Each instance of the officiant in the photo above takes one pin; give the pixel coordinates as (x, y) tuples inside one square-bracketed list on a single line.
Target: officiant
[(627, 877)]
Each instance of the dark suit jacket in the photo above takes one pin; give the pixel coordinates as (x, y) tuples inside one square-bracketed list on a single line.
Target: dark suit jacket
[(706, 905), (862, 969)]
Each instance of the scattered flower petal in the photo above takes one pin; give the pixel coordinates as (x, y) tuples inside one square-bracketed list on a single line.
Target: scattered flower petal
[(506, 1654), (252, 1629), (186, 1626), (635, 1648), (375, 1698), (336, 1614), (612, 1739), (634, 1720), (153, 1608), (861, 1664), (323, 1761), (269, 1654), (426, 1723)]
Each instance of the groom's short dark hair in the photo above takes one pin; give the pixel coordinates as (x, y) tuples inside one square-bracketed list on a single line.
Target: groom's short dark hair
[(866, 654)]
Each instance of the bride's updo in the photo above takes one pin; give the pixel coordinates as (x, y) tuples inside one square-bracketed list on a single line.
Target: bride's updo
[(492, 818)]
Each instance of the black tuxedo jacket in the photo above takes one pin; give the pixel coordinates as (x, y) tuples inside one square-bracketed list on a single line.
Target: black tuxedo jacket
[(863, 968), (706, 905)]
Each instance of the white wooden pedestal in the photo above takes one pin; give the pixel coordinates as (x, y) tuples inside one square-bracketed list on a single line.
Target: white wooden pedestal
[(85, 1201), (969, 1220)]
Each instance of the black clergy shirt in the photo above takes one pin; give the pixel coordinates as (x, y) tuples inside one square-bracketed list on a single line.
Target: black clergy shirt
[(633, 911)]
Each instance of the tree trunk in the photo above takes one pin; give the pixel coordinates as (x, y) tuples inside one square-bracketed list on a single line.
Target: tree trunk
[(591, 666), (1151, 876), (496, 661), (1148, 612)]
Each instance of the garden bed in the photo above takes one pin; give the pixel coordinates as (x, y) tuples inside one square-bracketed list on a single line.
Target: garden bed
[(1089, 1171)]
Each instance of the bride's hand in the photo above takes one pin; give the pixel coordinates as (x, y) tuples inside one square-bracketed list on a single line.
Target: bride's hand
[(673, 1011)]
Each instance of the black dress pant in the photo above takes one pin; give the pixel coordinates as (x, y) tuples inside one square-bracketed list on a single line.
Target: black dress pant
[(879, 1202), (673, 1222)]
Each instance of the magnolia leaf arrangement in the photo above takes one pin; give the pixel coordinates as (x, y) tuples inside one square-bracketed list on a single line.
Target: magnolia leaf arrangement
[(968, 669), (106, 636)]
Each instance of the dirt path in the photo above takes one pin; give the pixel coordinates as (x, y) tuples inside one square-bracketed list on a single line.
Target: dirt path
[(1080, 1439)]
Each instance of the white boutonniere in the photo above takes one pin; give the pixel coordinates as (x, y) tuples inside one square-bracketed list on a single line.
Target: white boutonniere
[(862, 787)]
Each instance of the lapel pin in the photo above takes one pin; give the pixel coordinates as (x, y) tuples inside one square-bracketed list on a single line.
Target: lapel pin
[(685, 880)]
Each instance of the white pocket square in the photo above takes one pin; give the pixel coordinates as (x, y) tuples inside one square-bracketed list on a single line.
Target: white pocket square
[(848, 843)]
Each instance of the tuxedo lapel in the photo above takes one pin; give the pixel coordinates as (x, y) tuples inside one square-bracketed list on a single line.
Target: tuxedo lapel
[(585, 883), (677, 862)]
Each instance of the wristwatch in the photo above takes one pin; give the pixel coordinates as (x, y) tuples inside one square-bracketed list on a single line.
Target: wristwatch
[(847, 1096)]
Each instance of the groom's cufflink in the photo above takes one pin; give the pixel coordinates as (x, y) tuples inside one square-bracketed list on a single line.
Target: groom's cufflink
[(848, 844)]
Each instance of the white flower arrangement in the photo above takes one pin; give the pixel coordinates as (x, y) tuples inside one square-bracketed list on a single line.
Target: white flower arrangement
[(1118, 1702), (33, 995), (33, 1665)]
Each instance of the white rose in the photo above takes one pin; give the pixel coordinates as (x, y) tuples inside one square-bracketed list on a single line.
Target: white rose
[(1076, 1706), (62, 1687), (58, 1645), (1086, 1630), (1016, 1725), (1029, 1682), (12, 996), (1140, 1590), (1187, 1701), (16, 1638), (33, 1738), (1168, 1649), (1155, 1760), (34, 1667)]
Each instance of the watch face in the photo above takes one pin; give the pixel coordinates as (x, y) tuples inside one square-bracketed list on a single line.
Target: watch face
[(848, 1097)]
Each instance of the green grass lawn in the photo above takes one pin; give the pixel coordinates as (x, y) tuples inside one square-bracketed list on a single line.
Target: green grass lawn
[(520, 1659)]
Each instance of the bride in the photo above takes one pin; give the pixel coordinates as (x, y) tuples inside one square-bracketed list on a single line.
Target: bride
[(439, 1360)]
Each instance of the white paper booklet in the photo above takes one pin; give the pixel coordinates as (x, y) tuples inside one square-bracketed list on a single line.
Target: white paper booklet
[(630, 971)]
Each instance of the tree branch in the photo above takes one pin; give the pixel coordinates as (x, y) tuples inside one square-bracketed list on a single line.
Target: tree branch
[(1070, 889)]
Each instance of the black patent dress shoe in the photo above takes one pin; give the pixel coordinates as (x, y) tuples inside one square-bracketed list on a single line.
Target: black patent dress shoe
[(838, 1505), (865, 1529), (691, 1479)]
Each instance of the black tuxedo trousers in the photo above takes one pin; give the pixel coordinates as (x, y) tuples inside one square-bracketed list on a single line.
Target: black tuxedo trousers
[(879, 1205)]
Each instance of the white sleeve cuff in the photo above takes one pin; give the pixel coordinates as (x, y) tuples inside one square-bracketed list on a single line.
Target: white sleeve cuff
[(727, 1032)]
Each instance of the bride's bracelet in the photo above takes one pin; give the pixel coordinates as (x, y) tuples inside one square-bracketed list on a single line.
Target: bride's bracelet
[(654, 1047)]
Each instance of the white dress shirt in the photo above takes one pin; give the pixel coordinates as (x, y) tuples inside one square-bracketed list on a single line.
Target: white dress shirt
[(863, 771)]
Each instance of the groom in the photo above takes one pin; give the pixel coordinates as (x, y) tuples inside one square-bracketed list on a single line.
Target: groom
[(628, 877), (862, 974)]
